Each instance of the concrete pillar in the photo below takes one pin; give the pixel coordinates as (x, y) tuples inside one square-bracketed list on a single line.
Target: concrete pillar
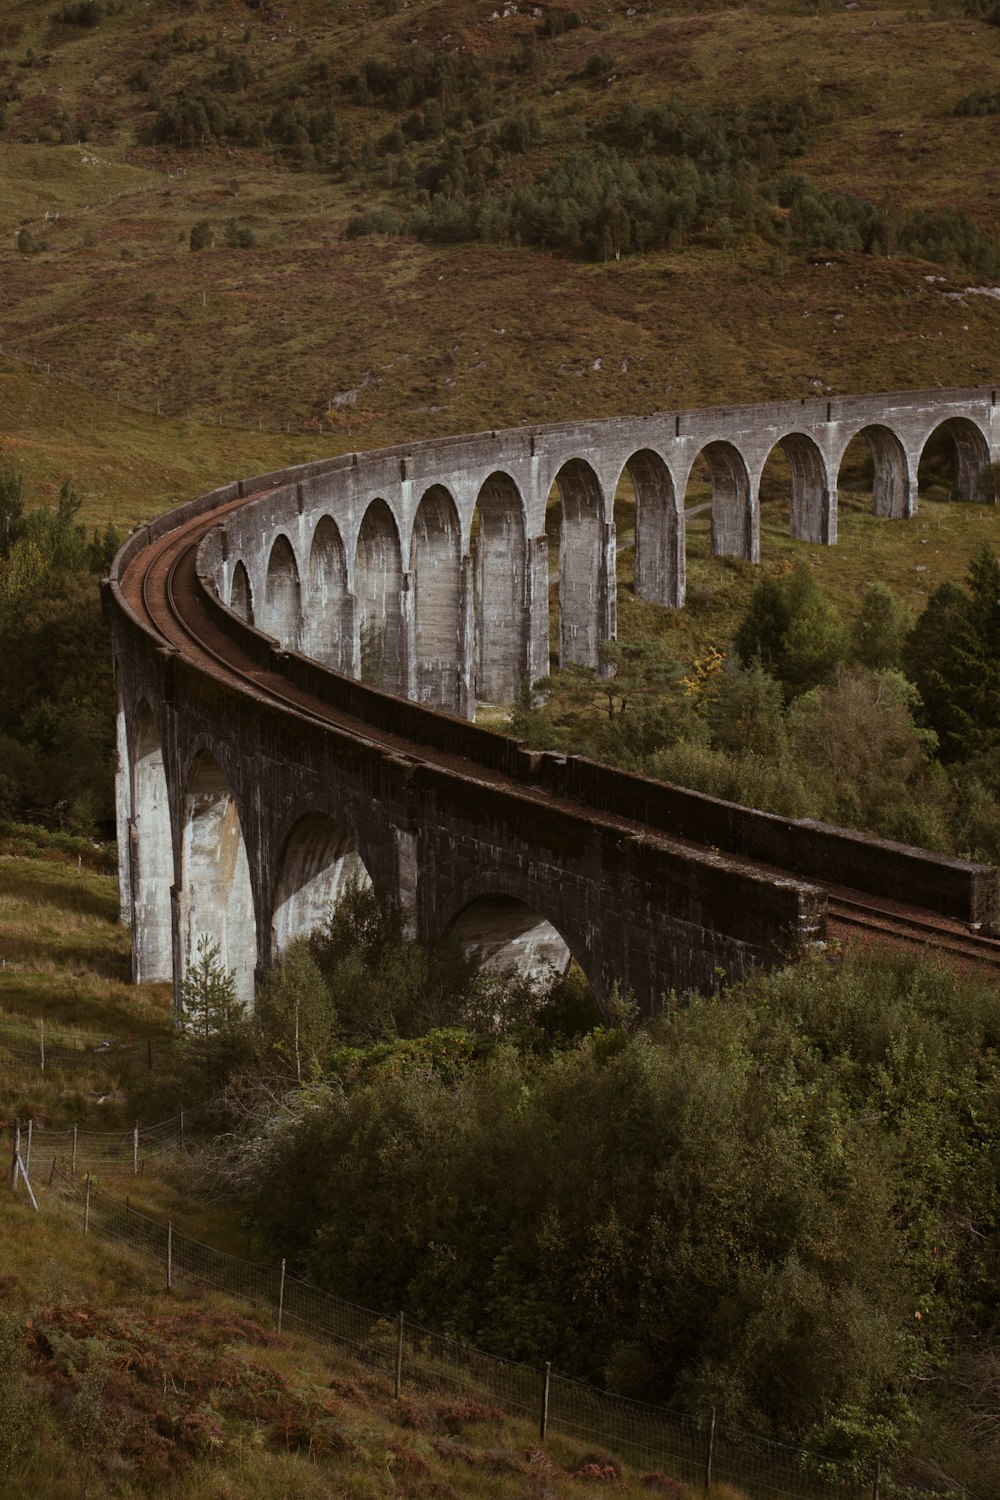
[(537, 607), (350, 640), (466, 695), (407, 880), (607, 602), (123, 822), (407, 672)]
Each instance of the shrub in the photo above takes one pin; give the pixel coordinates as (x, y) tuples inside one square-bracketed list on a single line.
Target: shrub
[(202, 235)]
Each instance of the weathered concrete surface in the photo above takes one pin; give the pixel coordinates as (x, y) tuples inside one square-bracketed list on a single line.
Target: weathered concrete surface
[(424, 573)]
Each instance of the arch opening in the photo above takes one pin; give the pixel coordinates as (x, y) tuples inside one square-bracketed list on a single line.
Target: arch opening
[(586, 565), (319, 861), (241, 594), (327, 623), (952, 461), (216, 893), (658, 529), (499, 563), (500, 932), (152, 854), (794, 492), (283, 595), (378, 575), (734, 531), (873, 474), (436, 564)]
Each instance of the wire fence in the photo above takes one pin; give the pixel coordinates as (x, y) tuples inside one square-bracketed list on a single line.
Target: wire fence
[(650, 1438), (46, 1051), (122, 1152)]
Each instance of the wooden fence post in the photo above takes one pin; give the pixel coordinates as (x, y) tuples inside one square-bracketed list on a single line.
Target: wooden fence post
[(281, 1296), (543, 1425), (170, 1255), (710, 1451), (86, 1208), (399, 1356)]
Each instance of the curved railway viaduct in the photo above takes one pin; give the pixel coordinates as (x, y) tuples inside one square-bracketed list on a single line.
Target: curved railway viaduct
[(299, 655)]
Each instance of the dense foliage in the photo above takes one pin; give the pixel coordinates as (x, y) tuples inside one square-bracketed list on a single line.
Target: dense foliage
[(883, 725), (56, 693), (784, 1205)]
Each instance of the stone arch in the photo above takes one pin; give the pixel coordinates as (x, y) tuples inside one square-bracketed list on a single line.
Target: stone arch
[(378, 583), (659, 531), (586, 565), (318, 860), (152, 853), (241, 594), (283, 594), (971, 453), (216, 892), (734, 513), (891, 490), (501, 931), (813, 511), (327, 619), (436, 565), (499, 567)]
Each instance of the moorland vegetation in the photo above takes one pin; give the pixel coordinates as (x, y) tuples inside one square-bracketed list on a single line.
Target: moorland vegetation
[(239, 238)]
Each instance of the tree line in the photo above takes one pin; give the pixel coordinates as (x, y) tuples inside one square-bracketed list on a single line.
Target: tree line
[(56, 688)]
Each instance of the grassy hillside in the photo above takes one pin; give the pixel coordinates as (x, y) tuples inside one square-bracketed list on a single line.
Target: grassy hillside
[(364, 340)]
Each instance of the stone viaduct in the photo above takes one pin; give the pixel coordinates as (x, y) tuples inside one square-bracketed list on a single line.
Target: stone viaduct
[(299, 655)]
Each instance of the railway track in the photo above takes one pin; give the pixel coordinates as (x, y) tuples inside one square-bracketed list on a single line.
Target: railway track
[(863, 918), (164, 591)]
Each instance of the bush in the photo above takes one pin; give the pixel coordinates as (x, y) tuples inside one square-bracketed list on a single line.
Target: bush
[(202, 235), (81, 13)]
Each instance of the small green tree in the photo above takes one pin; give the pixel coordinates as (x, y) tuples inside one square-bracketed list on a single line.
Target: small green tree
[(208, 994), (880, 629), (295, 1013)]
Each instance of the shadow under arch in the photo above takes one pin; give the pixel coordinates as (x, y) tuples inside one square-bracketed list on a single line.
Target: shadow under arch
[(283, 594), (241, 594), (963, 448), (734, 532), (327, 614), (586, 593), (812, 512), (501, 932), (499, 573), (891, 497), (659, 531), (152, 853), (436, 564), (216, 892), (378, 584), (318, 861)]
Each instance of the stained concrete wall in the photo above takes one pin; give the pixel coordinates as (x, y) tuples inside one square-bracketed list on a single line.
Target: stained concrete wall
[(427, 571), (448, 600)]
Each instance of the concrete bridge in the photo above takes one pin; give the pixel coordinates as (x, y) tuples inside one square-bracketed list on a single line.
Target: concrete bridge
[(281, 645)]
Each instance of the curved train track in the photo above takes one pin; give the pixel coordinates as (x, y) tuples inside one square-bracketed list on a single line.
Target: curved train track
[(163, 589)]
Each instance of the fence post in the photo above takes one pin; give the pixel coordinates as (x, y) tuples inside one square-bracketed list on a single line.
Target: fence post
[(543, 1425), (74, 1152), (170, 1255), (135, 1150), (52, 1171), (399, 1355), (86, 1207), (41, 1044), (710, 1451), (27, 1155), (15, 1155), (281, 1295), (877, 1479)]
